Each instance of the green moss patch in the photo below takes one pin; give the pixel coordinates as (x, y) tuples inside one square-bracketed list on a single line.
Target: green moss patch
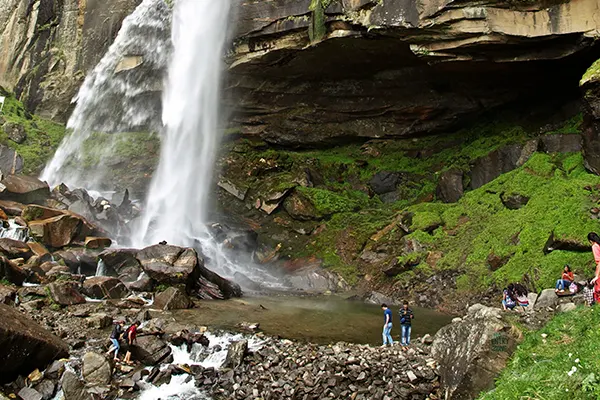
[(557, 362), (43, 136)]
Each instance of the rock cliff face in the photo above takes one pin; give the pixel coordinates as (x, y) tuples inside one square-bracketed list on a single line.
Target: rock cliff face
[(47, 47), (326, 71)]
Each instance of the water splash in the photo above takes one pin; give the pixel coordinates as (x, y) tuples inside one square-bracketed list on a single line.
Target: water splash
[(176, 204), (15, 231), (119, 95)]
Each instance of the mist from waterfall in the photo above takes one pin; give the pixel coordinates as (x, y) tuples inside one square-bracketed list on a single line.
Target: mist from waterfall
[(119, 95), (177, 201)]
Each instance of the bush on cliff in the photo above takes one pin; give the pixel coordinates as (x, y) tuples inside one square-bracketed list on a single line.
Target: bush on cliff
[(43, 136), (559, 361)]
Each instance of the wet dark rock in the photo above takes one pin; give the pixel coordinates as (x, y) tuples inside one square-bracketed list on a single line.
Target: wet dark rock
[(450, 186), (172, 299), (11, 272), (387, 181), (236, 353), (66, 293), (514, 201), (79, 260), (11, 162), (150, 350), (560, 143), (12, 208), (122, 263), (487, 168), (12, 248), (104, 287), (566, 243), (143, 284), (25, 345), (24, 189), (92, 242), (300, 207)]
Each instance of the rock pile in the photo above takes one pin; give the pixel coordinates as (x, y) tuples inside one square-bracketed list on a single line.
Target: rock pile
[(283, 369)]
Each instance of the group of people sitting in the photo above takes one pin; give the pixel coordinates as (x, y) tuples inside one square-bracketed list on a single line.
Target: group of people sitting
[(513, 296)]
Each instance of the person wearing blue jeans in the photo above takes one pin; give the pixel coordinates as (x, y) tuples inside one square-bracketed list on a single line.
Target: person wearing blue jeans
[(387, 326), (114, 338), (406, 317)]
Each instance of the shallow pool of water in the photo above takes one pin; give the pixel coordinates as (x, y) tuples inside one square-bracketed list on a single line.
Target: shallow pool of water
[(322, 319)]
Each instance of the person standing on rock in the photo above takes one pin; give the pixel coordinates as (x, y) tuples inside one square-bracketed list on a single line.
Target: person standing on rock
[(594, 240), (387, 326), (131, 336), (406, 317), (114, 338)]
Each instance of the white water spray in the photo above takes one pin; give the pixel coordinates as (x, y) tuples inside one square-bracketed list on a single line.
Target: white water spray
[(119, 95), (177, 201)]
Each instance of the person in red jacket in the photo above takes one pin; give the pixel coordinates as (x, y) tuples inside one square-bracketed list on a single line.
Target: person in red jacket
[(565, 280), (131, 337)]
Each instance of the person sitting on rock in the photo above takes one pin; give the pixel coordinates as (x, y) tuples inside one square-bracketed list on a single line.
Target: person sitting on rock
[(131, 337), (116, 334), (565, 281), (588, 293), (387, 325), (406, 317), (508, 303), (519, 293)]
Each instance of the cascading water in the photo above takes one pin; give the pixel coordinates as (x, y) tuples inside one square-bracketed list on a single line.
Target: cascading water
[(119, 95), (176, 207), (176, 204)]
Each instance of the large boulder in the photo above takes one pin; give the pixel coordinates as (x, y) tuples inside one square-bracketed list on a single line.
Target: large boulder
[(66, 293), (24, 189), (96, 369), (11, 208), (12, 248), (57, 231), (73, 388), (547, 298), (487, 168), (170, 265), (25, 346), (450, 186), (473, 351), (80, 261), (150, 350), (172, 299), (121, 263), (11, 272), (104, 287)]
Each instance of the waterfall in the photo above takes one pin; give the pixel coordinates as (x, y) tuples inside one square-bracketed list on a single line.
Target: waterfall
[(14, 231), (101, 268), (176, 204), (119, 95)]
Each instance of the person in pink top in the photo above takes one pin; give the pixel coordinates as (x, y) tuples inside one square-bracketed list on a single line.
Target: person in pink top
[(594, 240)]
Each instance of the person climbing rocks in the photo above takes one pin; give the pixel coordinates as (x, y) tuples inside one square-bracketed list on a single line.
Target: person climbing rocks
[(565, 281), (387, 326), (116, 334), (406, 317), (594, 240), (131, 337)]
